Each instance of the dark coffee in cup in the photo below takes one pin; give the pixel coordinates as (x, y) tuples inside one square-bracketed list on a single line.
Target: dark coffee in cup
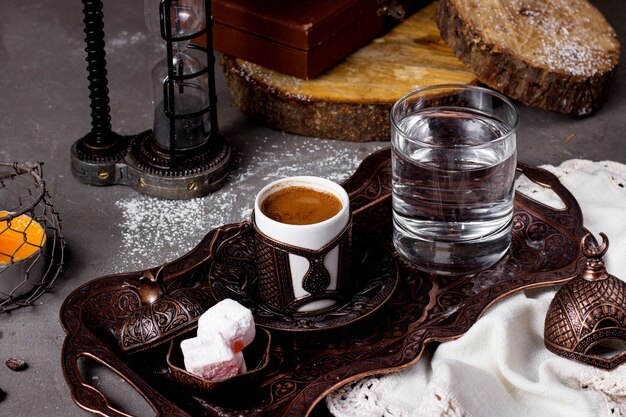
[(303, 245), (300, 205)]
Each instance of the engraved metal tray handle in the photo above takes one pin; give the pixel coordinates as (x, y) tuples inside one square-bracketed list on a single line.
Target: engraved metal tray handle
[(152, 295), (549, 180), (426, 308), (93, 400), (150, 291)]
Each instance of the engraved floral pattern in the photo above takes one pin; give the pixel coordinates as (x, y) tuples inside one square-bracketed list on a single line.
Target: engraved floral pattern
[(304, 366)]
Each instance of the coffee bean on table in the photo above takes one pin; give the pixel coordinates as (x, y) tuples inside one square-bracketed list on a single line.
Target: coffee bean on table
[(15, 364)]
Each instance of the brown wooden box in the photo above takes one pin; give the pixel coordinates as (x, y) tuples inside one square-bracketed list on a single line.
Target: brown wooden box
[(295, 37)]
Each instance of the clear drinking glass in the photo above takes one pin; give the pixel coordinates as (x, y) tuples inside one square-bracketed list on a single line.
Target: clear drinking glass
[(453, 161)]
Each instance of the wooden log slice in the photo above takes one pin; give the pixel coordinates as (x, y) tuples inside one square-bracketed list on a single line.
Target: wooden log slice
[(352, 100), (558, 55)]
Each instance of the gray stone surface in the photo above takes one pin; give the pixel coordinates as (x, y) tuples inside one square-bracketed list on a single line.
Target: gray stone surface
[(44, 108)]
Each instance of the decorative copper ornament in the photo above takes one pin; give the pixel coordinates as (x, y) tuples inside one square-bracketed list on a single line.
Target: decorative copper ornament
[(586, 320), (161, 315)]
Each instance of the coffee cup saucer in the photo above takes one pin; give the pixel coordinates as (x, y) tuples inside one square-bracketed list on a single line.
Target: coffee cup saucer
[(233, 275)]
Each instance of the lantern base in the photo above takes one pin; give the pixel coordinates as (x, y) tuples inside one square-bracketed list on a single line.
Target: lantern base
[(95, 165), (143, 166)]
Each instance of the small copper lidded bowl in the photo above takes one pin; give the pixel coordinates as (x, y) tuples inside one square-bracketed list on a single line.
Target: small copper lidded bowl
[(161, 314), (256, 355), (586, 320)]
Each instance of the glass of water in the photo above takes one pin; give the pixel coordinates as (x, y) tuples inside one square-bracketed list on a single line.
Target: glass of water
[(453, 162)]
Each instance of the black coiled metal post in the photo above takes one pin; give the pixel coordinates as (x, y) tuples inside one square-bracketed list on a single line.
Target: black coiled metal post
[(94, 155), (96, 66)]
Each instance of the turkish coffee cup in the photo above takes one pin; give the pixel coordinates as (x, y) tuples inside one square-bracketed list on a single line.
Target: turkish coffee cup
[(303, 245)]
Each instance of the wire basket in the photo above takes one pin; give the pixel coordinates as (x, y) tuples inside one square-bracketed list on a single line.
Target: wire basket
[(31, 243)]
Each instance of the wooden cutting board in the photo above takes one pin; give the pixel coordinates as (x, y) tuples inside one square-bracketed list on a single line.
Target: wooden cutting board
[(352, 100)]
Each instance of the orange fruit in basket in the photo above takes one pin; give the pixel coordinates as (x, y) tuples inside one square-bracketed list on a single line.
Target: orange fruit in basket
[(20, 237)]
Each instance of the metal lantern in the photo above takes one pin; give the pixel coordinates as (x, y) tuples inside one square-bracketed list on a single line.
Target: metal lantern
[(183, 156), (31, 243)]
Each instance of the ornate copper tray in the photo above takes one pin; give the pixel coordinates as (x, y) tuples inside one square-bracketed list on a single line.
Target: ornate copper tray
[(305, 366)]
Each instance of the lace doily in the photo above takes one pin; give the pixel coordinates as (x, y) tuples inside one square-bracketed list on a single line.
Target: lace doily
[(500, 367)]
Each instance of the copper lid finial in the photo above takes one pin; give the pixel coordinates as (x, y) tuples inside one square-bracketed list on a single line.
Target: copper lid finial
[(594, 268)]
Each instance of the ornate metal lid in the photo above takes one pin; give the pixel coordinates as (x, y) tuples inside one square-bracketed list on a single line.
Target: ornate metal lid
[(162, 315), (586, 320)]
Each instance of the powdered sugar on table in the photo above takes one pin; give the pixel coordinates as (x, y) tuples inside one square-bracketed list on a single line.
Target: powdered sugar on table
[(156, 231)]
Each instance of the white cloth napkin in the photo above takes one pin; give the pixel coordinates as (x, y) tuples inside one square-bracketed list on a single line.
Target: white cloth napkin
[(501, 367)]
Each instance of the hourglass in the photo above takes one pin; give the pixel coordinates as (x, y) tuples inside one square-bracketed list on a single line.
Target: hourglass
[(184, 104), (184, 156)]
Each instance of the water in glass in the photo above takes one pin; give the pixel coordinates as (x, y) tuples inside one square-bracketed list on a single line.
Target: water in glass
[(453, 172)]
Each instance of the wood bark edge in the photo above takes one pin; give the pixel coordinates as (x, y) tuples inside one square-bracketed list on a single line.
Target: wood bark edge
[(535, 86), (349, 121)]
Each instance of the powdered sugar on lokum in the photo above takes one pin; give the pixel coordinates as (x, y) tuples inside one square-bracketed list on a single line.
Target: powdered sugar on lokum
[(211, 359), (232, 321)]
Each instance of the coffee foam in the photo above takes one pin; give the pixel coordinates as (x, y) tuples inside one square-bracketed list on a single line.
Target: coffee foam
[(300, 204)]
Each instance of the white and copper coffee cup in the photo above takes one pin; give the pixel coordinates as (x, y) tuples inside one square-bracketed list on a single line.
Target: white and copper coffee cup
[(303, 268)]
